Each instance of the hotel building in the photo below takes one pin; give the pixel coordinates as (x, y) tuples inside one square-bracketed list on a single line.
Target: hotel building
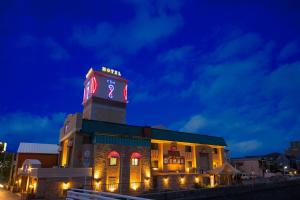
[(99, 151)]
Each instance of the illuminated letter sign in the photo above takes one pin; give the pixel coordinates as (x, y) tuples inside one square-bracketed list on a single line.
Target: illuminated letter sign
[(111, 71), (111, 88)]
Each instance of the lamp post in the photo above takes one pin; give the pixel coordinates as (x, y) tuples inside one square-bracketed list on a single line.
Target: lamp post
[(284, 168)]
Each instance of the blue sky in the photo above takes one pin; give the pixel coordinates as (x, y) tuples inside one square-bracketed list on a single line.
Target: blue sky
[(227, 69)]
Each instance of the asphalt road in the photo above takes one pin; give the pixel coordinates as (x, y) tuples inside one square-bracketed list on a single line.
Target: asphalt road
[(7, 195)]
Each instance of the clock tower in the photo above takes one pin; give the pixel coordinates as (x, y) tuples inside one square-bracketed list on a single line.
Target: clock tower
[(105, 96)]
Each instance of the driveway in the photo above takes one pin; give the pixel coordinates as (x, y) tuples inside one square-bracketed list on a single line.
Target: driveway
[(7, 195)]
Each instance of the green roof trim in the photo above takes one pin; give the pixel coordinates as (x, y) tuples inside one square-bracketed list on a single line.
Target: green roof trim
[(93, 126), (162, 134), (100, 127), (121, 140)]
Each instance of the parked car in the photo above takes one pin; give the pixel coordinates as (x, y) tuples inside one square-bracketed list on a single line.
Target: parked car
[(245, 177)]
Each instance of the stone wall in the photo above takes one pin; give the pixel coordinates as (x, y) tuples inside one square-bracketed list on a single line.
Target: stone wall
[(102, 170), (55, 188)]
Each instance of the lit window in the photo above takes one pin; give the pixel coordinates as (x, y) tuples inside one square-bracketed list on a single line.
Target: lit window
[(188, 149), (154, 163), (112, 161), (215, 150), (154, 146), (134, 161), (189, 164)]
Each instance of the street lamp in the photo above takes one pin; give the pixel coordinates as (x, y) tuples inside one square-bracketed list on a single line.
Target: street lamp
[(284, 168)]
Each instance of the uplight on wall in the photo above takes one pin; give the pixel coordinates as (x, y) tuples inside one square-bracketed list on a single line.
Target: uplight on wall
[(147, 179), (182, 180), (134, 186), (196, 179), (166, 180), (98, 183), (112, 187), (65, 185)]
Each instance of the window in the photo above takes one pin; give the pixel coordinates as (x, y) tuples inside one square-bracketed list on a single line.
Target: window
[(112, 161), (189, 164), (134, 161), (86, 140), (154, 146), (215, 150), (188, 149), (154, 164)]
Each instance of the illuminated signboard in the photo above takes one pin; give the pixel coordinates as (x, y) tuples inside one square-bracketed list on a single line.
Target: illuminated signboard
[(111, 71), (105, 86), (3, 146)]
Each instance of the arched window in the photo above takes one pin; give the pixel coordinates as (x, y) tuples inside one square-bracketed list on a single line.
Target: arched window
[(113, 158), (135, 157)]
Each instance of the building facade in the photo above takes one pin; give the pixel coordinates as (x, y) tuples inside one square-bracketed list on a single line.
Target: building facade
[(30, 156), (99, 151), (293, 153), (250, 166)]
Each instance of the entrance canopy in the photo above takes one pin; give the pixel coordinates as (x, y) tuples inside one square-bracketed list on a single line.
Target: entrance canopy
[(225, 169), (33, 163)]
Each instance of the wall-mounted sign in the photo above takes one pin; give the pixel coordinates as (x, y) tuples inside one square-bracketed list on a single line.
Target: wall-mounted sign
[(105, 87), (111, 71)]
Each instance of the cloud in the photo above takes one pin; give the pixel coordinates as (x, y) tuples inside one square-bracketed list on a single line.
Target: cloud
[(57, 51), (291, 49), (175, 55), (152, 23), (174, 61), (240, 46), (248, 146), (194, 124), (54, 50), (245, 97), (26, 127)]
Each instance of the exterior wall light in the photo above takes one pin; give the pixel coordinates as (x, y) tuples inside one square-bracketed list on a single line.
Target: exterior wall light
[(196, 179), (182, 179), (65, 185), (147, 179), (98, 182), (166, 180), (112, 187), (134, 186)]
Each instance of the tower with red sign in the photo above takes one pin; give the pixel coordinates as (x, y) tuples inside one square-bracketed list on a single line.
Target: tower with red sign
[(105, 96)]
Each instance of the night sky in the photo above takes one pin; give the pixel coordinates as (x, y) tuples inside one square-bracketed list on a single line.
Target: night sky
[(226, 69)]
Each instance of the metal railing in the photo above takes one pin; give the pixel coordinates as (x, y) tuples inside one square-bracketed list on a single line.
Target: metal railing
[(81, 194)]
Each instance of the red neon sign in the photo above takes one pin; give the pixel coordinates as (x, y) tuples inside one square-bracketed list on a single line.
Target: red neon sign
[(125, 93), (93, 85)]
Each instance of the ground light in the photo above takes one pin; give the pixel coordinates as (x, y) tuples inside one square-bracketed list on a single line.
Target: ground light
[(65, 185)]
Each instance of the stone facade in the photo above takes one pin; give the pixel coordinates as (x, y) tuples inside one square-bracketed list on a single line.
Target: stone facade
[(123, 177)]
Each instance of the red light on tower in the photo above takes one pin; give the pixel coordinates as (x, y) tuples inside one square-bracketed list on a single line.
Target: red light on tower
[(125, 92), (90, 89), (93, 85)]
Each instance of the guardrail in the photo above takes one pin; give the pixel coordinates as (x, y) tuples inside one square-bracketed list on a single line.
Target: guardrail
[(81, 194)]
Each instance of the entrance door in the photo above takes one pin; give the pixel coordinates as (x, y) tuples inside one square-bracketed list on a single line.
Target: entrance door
[(204, 161)]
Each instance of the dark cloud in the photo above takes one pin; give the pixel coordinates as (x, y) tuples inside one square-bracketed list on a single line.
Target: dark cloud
[(153, 21), (26, 127), (246, 99)]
